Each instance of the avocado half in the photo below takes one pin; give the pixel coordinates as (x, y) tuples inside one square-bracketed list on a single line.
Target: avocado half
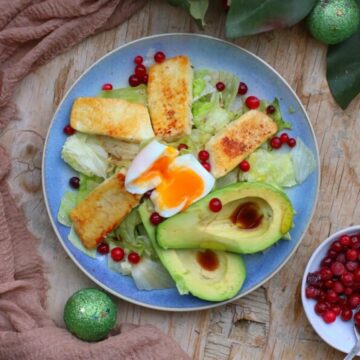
[(218, 284), (253, 217)]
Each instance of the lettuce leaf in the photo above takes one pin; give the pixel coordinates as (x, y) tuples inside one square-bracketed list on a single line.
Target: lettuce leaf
[(276, 116), (85, 155), (204, 84), (132, 236), (123, 267), (87, 185), (271, 167), (72, 198), (68, 202), (228, 179), (303, 160), (136, 94), (151, 275), (195, 141), (75, 240), (284, 168), (209, 116)]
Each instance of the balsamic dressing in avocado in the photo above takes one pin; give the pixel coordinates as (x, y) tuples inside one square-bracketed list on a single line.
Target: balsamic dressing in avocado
[(208, 260), (246, 216)]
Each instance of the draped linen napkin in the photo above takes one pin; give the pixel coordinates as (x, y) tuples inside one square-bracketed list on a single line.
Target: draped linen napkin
[(31, 33)]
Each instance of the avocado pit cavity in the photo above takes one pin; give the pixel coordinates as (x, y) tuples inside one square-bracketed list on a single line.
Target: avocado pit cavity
[(208, 260), (247, 216)]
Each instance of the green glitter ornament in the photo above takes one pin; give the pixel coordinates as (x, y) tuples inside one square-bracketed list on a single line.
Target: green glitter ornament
[(332, 21), (90, 314)]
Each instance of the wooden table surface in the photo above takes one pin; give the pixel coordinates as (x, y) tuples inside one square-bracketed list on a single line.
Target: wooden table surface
[(270, 322)]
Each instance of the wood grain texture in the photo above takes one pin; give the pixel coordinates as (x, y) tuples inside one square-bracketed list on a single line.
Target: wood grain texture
[(270, 322)]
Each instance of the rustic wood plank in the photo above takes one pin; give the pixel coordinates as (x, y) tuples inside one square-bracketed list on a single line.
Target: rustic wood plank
[(269, 323)]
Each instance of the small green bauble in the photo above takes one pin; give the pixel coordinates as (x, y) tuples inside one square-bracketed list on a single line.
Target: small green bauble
[(332, 21), (90, 314)]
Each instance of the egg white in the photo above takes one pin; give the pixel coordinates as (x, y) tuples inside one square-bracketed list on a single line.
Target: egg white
[(185, 161), (141, 163)]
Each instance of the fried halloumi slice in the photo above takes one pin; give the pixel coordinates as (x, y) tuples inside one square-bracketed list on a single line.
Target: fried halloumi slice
[(238, 140), (102, 210), (116, 118), (170, 97)]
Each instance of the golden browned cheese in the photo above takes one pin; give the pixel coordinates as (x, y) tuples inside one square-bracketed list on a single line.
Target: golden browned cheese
[(170, 97), (102, 210), (238, 140), (117, 118)]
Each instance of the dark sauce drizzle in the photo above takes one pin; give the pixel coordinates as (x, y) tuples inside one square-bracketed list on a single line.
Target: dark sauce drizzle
[(208, 260), (247, 216)]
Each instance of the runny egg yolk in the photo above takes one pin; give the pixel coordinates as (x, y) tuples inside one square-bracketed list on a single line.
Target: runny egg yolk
[(178, 186), (158, 169)]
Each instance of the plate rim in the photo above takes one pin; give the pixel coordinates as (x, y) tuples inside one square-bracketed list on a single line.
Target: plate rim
[(215, 304)]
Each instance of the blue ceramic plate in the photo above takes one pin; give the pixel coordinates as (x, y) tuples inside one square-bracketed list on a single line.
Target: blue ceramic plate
[(207, 52)]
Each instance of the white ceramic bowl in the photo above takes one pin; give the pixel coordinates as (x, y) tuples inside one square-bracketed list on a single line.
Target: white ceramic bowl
[(339, 334)]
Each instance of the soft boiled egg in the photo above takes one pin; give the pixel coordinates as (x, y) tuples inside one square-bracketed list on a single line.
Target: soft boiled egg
[(147, 169), (177, 181), (185, 182)]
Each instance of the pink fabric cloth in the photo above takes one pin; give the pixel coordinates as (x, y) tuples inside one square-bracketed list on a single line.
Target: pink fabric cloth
[(31, 33)]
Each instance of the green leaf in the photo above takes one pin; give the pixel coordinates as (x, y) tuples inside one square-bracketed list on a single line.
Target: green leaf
[(343, 70), (68, 202), (196, 8), (252, 17), (75, 240), (132, 94)]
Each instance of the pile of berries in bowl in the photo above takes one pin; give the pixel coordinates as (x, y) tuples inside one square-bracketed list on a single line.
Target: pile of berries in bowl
[(331, 288)]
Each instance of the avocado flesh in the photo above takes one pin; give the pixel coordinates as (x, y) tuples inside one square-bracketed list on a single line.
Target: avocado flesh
[(190, 277), (198, 227)]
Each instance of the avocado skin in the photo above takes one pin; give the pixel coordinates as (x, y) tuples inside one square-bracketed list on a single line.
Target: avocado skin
[(182, 266), (198, 227)]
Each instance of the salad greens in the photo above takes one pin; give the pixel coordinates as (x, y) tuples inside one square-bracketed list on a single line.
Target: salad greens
[(98, 157), (282, 168), (85, 154), (304, 161), (132, 236), (276, 116), (212, 110), (150, 274), (132, 94), (271, 167), (68, 202), (71, 198), (75, 240)]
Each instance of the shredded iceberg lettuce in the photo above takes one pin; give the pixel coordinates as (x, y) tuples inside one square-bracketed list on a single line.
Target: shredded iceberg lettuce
[(132, 94), (213, 110), (276, 116), (131, 235), (68, 202), (122, 150), (123, 267), (209, 116), (204, 84), (195, 141), (87, 185), (270, 167), (228, 179), (75, 240), (85, 155), (283, 168), (72, 198), (303, 160), (148, 274), (151, 275)]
